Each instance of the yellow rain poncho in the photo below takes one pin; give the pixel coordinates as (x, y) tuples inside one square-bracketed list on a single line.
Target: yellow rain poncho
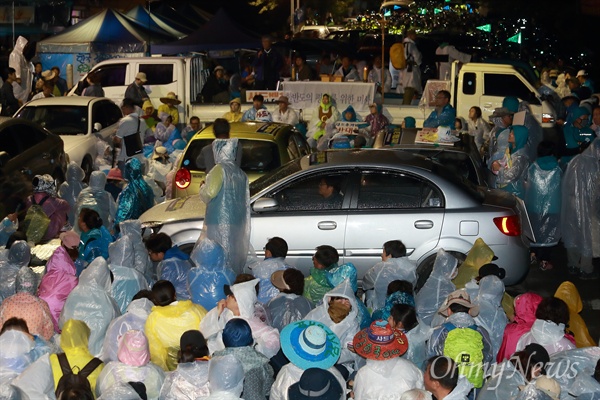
[(568, 293)]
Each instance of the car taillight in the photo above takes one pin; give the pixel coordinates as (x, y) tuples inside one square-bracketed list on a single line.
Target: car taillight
[(547, 118), (510, 226), (183, 178)]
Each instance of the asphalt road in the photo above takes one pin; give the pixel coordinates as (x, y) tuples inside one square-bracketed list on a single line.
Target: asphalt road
[(545, 284)]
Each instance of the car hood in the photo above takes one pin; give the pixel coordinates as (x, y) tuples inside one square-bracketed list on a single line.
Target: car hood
[(72, 142), (182, 209)]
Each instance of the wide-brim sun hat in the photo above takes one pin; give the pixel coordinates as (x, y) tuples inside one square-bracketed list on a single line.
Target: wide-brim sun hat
[(501, 112), (316, 383), (310, 344), (171, 99), (278, 280), (380, 342), (48, 75), (283, 99)]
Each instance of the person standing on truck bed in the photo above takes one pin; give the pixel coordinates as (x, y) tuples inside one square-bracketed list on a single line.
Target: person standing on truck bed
[(267, 65), (444, 114), (411, 74), (136, 92)]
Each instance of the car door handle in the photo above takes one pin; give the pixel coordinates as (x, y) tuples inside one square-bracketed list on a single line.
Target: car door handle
[(424, 224), (487, 105), (327, 225)]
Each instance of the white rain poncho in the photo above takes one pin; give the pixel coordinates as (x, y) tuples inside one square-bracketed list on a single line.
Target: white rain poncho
[(263, 271), (503, 383), (19, 256), (437, 287), (95, 197), (225, 378), (103, 161), (127, 281), (17, 60), (10, 392), (92, 303), (345, 329), (17, 354), (134, 319), (386, 379), (69, 190), (141, 260), (290, 374), (377, 279), (227, 217), (158, 171), (548, 334), (573, 370), (188, 381), (491, 314), (37, 381), (531, 392), (206, 279), (286, 308), (580, 216)]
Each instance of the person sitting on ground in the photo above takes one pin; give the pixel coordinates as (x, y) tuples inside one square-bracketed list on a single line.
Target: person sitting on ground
[(316, 284), (525, 307), (258, 111), (326, 117), (94, 239), (234, 114), (55, 208), (174, 265), (69, 190), (442, 379), (444, 114), (568, 293), (404, 318), (376, 120), (284, 113), (478, 128), (225, 378), (289, 305), (98, 198), (127, 281), (275, 253), (191, 129), (398, 292)]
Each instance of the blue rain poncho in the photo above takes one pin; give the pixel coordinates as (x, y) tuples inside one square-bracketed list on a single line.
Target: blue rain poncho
[(347, 271), (127, 280), (352, 118), (7, 228), (580, 217), (491, 314), (141, 260), (18, 352), (93, 243), (445, 118), (98, 199), (515, 164), (227, 198), (574, 370), (90, 301), (206, 279), (19, 256), (575, 136), (437, 287), (543, 200), (69, 190), (263, 271), (498, 141), (286, 308), (536, 132), (175, 268), (376, 280), (137, 196)]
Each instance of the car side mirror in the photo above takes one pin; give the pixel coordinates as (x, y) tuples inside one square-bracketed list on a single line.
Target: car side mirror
[(97, 126), (265, 204), (4, 158)]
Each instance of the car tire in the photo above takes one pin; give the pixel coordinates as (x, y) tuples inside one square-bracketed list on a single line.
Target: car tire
[(424, 269), (88, 167)]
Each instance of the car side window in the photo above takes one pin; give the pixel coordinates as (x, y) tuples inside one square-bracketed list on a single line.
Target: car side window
[(391, 190), (112, 113), (112, 75), (503, 85), (317, 192), (158, 74)]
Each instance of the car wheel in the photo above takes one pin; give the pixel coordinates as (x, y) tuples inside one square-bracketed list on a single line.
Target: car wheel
[(187, 248), (424, 269), (88, 167)]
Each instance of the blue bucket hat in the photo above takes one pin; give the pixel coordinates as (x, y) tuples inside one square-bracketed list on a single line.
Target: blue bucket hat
[(410, 122), (310, 344)]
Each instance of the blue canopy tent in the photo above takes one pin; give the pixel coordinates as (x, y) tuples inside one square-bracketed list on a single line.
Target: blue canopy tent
[(220, 33), (156, 23), (194, 12), (187, 21)]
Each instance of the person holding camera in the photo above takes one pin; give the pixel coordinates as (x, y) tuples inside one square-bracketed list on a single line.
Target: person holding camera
[(411, 75)]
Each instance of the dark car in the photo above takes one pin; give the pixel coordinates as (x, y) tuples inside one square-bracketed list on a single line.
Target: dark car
[(26, 150)]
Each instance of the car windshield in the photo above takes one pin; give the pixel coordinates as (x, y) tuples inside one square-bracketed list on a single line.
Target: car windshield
[(61, 120), (274, 176)]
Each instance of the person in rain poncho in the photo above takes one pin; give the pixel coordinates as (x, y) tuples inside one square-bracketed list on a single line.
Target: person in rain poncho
[(394, 266), (316, 284), (19, 256), (511, 170), (491, 315), (376, 120), (44, 187), (568, 293), (348, 272), (190, 379), (206, 279), (60, 279), (98, 199), (239, 303), (94, 239), (238, 341), (8, 226), (403, 317), (525, 307), (443, 381), (437, 287), (548, 330), (580, 214), (141, 259), (307, 344), (225, 378), (542, 199), (174, 264), (327, 115), (386, 374), (167, 322), (225, 192), (339, 313), (577, 371), (24, 73), (275, 253), (502, 119), (289, 305), (103, 160), (137, 196), (258, 109), (134, 318), (133, 366), (69, 190), (577, 133), (536, 132), (443, 114), (479, 255), (127, 280), (90, 301), (478, 128), (399, 292), (27, 306)]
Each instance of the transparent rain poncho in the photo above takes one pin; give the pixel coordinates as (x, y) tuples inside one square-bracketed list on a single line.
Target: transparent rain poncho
[(137, 196), (573, 370), (26, 281), (122, 391), (513, 172), (437, 287), (225, 377), (7, 228), (548, 334), (377, 279), (98, 199), (69, 190), (286, 308), (175, 268), (580, 217), (91, 302), (227, 217), (263, 271), (141, 260), (386, 379), (188, 381), (491, 314), (536, 132), (19, 256), (206, 279), (127, 280), (568, 293), (10, 392), (347, 271), (16, 354)]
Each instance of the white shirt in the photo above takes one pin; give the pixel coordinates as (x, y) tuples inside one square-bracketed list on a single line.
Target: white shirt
[(375, 77), (445, 67), (288, 117), (40, 95), (128, 125)]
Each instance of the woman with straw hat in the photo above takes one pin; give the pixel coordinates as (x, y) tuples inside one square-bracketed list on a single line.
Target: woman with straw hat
[(169, 106)]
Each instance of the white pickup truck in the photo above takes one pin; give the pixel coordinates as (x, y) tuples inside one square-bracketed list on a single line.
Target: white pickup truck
[(476, 84)]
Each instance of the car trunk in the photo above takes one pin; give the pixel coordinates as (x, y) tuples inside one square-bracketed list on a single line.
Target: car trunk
[(501, 198)]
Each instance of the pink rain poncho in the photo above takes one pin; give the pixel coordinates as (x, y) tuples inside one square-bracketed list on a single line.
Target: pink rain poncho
[(58, 282), (525, 307)]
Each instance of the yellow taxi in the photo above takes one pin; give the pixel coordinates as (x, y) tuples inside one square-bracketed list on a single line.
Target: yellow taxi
[(265, 146)]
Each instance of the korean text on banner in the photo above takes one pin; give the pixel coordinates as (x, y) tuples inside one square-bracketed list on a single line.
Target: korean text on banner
[(303, 95)]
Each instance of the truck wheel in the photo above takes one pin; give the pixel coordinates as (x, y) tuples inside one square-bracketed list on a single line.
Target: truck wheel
[(424, 269)]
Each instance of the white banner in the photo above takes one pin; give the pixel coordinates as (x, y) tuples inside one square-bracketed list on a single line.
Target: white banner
[(303, 95), (270, 96), (349, 128)]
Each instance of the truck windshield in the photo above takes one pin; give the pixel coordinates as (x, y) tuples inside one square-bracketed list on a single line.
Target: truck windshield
[(61, 120)]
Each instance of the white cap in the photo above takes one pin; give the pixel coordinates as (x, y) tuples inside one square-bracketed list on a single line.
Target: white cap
[(581, 73)]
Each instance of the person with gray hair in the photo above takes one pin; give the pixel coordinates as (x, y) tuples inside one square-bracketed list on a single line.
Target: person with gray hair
[(416, 394)]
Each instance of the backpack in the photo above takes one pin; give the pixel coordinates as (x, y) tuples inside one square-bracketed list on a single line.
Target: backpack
[(398, 56), (465, 347), (69, 380), (36, 221)]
